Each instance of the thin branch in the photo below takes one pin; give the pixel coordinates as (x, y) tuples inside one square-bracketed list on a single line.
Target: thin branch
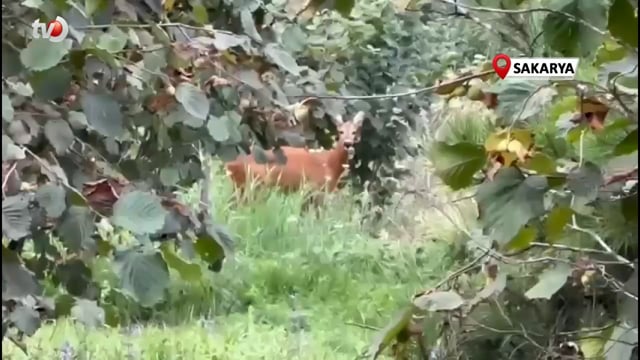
[(574, 220), (569, 248), (407, 93), (468, 267), (603, 244), (8, 175), (64, 183), (362, 326), (209, 30), (570, 17)]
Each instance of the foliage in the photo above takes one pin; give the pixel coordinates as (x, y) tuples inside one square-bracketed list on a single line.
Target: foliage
[(100, 129), (558, 166)]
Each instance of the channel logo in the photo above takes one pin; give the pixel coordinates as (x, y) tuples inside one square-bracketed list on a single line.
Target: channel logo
[(55, 30)]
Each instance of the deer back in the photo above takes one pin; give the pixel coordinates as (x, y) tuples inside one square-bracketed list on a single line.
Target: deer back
[(318, 168)]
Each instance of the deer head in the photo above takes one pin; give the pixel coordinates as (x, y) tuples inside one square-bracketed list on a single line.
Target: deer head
[(349, 131)]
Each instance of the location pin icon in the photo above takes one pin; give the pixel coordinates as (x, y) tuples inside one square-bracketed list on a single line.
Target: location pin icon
[(504, 70)]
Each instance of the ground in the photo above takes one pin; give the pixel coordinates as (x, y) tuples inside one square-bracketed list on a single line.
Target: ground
[(300, 287)]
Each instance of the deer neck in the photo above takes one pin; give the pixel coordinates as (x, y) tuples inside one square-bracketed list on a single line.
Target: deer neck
[(337, 159)]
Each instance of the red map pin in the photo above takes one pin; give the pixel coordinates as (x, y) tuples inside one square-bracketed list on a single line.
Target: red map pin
[(504, 70)]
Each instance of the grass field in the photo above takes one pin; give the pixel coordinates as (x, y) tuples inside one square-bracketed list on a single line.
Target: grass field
[(300, 287)]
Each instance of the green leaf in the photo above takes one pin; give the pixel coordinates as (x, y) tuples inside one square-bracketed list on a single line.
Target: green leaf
[(218, 127), (53, 198), (103, 113), (7, 108), (344, 7), (523, 239), (17, 281), (34, 4), (188, 271), (113, 41), (621, 343), (10, 151), (282, 58), (169, 176), (439, 301), (180, 115), (213, 244), (585, 181), (51, 84), (75, 275), (139, 212), (509, 201), (42, 54), (223, 40), (593, 342), (200, 14), (59, 134), (628, 306), (623, 22), (609, 51), (623, 71), (26, 319), (249, 27), (549, 282), (88, 313), (77, 120), (76, 228), (93, 6), (493, 287), (522, 99), (20, 88), (629, 206), (556, 221), (456, 164), (390, 332), (541, 164), (143, 274), (16, 218), (570, 37), (193, 100), (628, 145)]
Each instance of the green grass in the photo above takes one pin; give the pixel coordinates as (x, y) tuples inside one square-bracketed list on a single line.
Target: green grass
[(298, 288)]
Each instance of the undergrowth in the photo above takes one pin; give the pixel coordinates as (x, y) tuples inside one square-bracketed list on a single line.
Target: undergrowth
[(301, 286)]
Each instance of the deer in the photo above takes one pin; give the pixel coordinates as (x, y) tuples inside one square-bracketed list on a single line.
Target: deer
[(321, 169)]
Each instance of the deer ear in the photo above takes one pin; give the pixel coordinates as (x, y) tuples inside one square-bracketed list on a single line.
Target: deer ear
[(338, 120), (358, 118)]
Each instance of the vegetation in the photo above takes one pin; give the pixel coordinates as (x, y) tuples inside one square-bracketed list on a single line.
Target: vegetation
[(101, 130)]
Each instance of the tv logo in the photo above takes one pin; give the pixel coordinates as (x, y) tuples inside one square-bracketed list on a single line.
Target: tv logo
[(55, 30), (535, 68)]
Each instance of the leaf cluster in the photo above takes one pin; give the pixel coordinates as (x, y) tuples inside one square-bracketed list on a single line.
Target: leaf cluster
[(556, 188)]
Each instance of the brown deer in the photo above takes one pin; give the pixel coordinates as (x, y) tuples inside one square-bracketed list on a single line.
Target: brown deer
[(320, 169)]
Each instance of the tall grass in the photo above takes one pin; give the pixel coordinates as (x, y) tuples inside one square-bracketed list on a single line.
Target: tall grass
[(301, 286)]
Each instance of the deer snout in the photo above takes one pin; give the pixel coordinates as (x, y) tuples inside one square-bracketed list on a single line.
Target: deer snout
[(348, 146)]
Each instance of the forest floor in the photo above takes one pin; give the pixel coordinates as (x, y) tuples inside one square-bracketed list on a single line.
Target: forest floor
[(300, 287)]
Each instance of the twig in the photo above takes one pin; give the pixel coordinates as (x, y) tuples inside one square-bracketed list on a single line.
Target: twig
[(469, 266), (407, 93), (363, 326), (619, 286), (534, 10), (574, 221), (603, 244), (569, 248), (524, 106), (8, 175), (148, 26), (61, 181)]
